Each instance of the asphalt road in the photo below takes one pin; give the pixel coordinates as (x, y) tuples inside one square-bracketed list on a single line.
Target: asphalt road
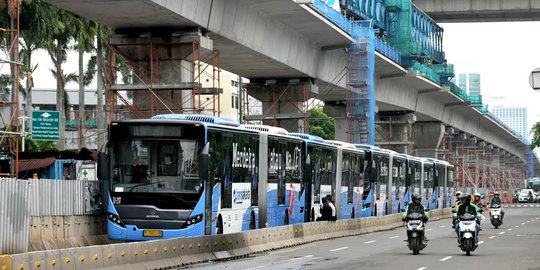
[(515, 245)]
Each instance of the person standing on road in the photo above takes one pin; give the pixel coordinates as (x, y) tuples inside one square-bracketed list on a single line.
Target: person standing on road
[(326, 211), (331, 203)]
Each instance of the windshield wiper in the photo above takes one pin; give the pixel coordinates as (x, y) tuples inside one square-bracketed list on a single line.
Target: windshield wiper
[(144, 184)]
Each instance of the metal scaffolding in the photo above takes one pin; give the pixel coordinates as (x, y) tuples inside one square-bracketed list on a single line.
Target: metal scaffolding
[(11, 132), (164, 77)]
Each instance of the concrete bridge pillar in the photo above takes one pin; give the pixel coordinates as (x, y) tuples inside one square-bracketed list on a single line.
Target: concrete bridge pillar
[(284, 102), (427, 137), (394, 130), (338, 111), (168, 64)]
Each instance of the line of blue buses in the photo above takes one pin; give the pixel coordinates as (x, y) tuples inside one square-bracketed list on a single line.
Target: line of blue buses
[(180, 175)]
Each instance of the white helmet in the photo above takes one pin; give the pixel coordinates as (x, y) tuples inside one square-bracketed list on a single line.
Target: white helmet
[(477, 194)]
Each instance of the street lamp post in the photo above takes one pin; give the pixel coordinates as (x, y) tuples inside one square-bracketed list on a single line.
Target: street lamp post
[(534, 79)]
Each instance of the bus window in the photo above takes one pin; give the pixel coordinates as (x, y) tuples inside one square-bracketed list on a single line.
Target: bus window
[(346, 183), (357, 181)]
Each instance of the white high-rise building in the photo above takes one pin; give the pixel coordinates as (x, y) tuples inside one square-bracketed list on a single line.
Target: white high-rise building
[(514, 117)]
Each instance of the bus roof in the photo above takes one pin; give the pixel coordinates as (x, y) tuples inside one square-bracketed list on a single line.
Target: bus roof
[(340, 143), (307, 137), (267, 129), (199, 118)]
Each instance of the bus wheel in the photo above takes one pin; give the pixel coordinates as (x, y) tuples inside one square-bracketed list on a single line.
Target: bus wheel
[(352, 214), (251, 222), (219, 225), (286, 221)]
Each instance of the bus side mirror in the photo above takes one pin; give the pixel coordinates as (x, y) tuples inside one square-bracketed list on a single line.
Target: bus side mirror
[(203, 163)]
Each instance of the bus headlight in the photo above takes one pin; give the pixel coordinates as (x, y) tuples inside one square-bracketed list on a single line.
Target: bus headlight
[(194, 220), (116, 220)]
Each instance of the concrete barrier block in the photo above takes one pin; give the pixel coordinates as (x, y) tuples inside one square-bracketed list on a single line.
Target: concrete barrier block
[(110, 256), (152, 255), (136, 254), (6, 262), (20, 261), (37, 260), (122, 253), (69, 227), (82, 258), (58, 227), (77, 226), (35, 232), (96, 257), (67, 258), (196, 249), (47, 228), (53, 260)]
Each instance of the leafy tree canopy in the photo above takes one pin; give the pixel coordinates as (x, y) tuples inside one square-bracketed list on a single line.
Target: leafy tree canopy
[(320, 124)]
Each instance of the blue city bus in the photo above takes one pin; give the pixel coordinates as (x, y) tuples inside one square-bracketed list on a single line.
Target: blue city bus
[(376, 184), (282, 159), (351, 163), (181, 175), (322, 177), (413, 178), (189, 175)]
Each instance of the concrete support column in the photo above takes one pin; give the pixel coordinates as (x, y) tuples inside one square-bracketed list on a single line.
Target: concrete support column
[(284, 103), (164, 64), (427, 137), (338, 111), (395, 131)]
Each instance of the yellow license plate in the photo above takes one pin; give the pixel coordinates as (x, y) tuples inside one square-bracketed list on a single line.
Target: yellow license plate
[(152, 233)]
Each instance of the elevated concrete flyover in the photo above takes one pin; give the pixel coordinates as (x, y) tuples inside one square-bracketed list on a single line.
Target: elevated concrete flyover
[(438, 105), (480, 10), (256, 38)]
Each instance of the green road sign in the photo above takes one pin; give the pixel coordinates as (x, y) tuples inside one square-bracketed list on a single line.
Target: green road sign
[(46, 125)]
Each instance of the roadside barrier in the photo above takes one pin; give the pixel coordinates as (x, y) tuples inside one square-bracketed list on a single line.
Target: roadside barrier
[(170, 253)]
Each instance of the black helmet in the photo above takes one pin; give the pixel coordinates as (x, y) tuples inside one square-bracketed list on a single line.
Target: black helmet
[(416, 196), (465, 196)]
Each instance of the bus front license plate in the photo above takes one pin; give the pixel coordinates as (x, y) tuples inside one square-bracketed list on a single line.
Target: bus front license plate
[(152, 233)]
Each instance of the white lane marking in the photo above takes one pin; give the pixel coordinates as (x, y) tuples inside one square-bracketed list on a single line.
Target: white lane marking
[(510, 229), (258, 267), (523, 223), (491, 237), (445, 258), (369, 242), (295, 259), (392, 237), (517, 226), (338, 249), (501, 233), (428, 230), (528, 221), (537, 218), (442, 226), (422, 268), (481, 242)]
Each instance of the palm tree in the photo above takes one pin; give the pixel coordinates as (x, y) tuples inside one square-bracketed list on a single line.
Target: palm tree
[(57, 47), (86, 31), (36, 26)]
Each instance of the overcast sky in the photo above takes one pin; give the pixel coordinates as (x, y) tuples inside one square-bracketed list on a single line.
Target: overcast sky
[(504, 54)]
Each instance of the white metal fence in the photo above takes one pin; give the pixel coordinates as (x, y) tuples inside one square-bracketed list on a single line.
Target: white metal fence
[(14, 215), (22, 199)]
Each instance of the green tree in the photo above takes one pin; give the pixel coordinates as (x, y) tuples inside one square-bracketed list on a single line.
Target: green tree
[(320, 124), (535, 131), (86, 32)]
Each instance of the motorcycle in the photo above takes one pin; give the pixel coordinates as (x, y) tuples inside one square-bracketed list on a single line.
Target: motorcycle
[(467, 233), (495, 215), (415, 232)]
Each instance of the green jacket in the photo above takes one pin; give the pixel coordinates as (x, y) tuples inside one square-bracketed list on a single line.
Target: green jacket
[(411, 208), (470, 208)]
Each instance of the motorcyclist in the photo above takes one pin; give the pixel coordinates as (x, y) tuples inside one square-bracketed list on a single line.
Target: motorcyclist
[(496, 200), (416, 207), (456, 204), (478, 202), (466, 207)]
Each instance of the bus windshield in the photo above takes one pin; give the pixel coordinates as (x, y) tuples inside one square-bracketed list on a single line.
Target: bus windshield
[(156, 166)]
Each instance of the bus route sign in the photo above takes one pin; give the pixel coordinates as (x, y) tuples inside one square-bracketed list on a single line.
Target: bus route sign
[(46, 125)]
